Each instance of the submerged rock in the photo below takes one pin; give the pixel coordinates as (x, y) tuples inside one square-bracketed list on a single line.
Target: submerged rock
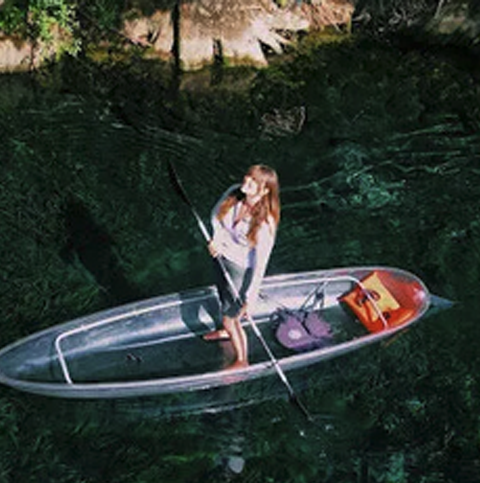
[(456, 19), (283, 122), (235, 464)]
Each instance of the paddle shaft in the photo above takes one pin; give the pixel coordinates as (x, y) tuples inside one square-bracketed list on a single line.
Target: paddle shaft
[(293, 397)]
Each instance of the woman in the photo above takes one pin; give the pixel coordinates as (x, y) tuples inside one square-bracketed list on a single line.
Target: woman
[(244, 224)]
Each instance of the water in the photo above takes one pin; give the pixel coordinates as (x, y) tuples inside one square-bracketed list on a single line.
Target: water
[(383, 170)]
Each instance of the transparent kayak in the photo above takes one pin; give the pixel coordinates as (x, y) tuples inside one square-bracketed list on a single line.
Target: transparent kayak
[(155, 346)]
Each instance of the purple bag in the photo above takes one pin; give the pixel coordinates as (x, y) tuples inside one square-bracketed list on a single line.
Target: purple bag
[(303, 331)]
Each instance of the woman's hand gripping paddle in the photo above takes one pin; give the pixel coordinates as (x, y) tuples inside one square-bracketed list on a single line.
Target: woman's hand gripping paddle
[(181, 192)]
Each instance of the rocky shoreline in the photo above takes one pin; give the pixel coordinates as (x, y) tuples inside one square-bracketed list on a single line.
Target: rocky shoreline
[(200, 33)]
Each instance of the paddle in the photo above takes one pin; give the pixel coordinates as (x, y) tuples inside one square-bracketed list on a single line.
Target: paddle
[(181, 192)]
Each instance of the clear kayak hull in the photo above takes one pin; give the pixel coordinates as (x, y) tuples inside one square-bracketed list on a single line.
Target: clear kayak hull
[(156, 347)]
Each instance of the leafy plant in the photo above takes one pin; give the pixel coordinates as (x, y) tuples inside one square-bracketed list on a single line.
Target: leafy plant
[(12, 19), (52, 22)]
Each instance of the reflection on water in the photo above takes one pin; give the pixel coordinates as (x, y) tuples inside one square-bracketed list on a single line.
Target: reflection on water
[(381, 171)]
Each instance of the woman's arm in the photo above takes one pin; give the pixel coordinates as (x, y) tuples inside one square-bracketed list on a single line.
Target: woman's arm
[(263, 250), (219, 231)]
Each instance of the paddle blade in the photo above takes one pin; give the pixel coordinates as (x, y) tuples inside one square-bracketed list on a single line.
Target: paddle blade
[(175, 180), (177, 184), (299, 405)]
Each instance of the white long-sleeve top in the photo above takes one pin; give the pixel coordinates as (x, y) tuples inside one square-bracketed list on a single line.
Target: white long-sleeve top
[(231, 242)]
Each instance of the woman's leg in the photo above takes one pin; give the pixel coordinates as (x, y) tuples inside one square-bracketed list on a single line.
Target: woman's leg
[(232, 328), (239, 340)]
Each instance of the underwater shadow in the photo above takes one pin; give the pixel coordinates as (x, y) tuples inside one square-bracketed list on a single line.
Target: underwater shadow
[(199, 314), (92, 246)]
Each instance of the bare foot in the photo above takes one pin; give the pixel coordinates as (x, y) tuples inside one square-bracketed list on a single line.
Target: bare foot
[(237, 365), (221, 334)]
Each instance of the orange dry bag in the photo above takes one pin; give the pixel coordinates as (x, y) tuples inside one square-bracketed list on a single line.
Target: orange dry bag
[(376, 315)]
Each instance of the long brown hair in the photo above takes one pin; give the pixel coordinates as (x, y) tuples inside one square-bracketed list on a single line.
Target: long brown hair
[(268, 207)]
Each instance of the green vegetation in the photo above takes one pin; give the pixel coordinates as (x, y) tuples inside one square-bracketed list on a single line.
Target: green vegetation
[(47, 21)]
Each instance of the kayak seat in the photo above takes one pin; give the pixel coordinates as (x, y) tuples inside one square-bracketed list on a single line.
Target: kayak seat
[(302, 331), (375, 302)]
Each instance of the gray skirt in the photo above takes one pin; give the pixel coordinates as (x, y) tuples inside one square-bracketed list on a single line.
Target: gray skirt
[(230, 306)]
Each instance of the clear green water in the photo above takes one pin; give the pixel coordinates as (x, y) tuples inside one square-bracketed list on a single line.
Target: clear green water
[(384, 170)]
